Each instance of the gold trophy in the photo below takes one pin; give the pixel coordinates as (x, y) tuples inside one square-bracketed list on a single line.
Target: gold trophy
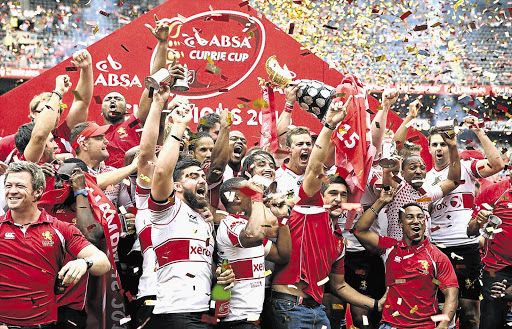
[(313, 96)]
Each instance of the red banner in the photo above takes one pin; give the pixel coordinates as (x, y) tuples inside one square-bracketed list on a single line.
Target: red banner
[(269, 125)]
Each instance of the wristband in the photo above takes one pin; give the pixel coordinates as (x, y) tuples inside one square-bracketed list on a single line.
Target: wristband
[(374, 211), (282, 221), (176, 138), (326, 125), (288, 108), (258, 197), (82, 192), (376, 305), (49, 107), (57, 93)]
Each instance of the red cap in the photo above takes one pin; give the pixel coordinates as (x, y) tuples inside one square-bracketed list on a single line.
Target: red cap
[(92, 130)]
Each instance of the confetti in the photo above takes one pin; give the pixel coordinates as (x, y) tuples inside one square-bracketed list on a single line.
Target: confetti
[(90, 227), (71, 68), (212, 68), (424, 199), (455, 256), (399, 301), (125, 48), (267, 272), (396, 313), (125, 320), (98, 100), (96, 29), (414, 309), (190, 275), (405, 15), (104, 13), (365, 321), (244, 3), (291, 28), (414, 138), (398, 281), (77, 95), (436, 281), (337, 307), (150, 302), (145, 178), (420, 27)]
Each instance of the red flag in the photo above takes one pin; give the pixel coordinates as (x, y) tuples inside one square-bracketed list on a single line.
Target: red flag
[(268, 125), (350, 137), (106, 288)]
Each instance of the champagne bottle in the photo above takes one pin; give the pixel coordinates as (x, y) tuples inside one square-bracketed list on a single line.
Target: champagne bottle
[(220, 298)]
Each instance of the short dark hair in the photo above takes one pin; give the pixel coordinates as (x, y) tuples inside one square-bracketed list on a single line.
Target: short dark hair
[(407, 158), (78, 162), (401, 212), (296, 131), (197, 136), (334, 179), (227, 186), (249, 160), (408, 149), (77, 130), (207, 121), (22, 137), (182, 164), (431, 132)]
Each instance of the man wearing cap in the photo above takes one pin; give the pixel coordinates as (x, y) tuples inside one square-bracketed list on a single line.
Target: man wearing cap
[(90, 146), (33, 245), (415, 269), (453, 212)]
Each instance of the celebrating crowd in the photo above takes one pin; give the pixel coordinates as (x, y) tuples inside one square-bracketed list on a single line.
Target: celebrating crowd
[(158, 212)]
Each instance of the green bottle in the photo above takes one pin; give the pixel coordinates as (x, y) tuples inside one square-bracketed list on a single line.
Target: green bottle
[(220, 299)]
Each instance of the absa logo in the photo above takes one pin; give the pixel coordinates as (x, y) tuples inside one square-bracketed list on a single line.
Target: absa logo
[(221, 49), (114, 79)]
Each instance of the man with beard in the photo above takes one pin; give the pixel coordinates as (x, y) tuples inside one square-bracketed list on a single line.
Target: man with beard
[(200, 148), (125, 131), (72, 206), (453, 212), (290, 176), (412, 189), (182, 239), (242, 239), (415, 269)]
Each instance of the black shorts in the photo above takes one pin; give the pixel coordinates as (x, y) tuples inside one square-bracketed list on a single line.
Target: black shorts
[(365, 272), (467, 270)]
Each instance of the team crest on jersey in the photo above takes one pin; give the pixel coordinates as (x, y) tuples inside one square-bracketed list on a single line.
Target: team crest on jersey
[(192, 218), (425, 266), (121, 131), (9, 235), (48, 239), (235, 224)]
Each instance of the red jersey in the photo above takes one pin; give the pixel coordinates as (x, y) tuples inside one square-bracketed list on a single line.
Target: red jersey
[(7, 147), (121, 138), (420, 269), (317, 247), (75, 295), (61, 134), (30, 259), (498, 251)]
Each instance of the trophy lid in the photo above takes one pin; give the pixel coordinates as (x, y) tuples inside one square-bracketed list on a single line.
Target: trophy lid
[(276, 74)]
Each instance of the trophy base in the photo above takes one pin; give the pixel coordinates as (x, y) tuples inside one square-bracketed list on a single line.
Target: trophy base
[(180, 88)]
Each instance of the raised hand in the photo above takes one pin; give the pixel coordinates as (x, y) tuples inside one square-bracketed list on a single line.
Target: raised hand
[(337, 112), (62, 83), (389, 96), (160, 31), (291, 94), (82, 59), (182, 114), (162, 95), (414, 107)]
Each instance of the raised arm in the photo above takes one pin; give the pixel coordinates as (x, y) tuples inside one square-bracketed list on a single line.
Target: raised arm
[(494, 163), (254, 233), (161, 33), (220, 151), (401, 133), (148, 140), (451, 183), (85, 221), (281, 250), (80, 108), (369, 239), (46, 121), (335, 114), (285, 118), (116, 176), (380, 121), (162, 184)]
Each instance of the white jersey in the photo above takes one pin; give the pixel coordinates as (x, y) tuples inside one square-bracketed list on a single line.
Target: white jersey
[(451, 214), (183, 244), (248, 264), (288, 180), (368, 198), (407, 194), (147, 282)]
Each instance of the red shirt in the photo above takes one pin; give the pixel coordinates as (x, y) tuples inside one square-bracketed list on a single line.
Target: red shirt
[(121, 138), (498, 251), (413, 275), (61, 136), (317, 247), (29, 263), (74, 297)]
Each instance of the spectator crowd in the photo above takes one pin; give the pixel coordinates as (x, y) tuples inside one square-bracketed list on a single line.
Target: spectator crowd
[(144, 201)]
